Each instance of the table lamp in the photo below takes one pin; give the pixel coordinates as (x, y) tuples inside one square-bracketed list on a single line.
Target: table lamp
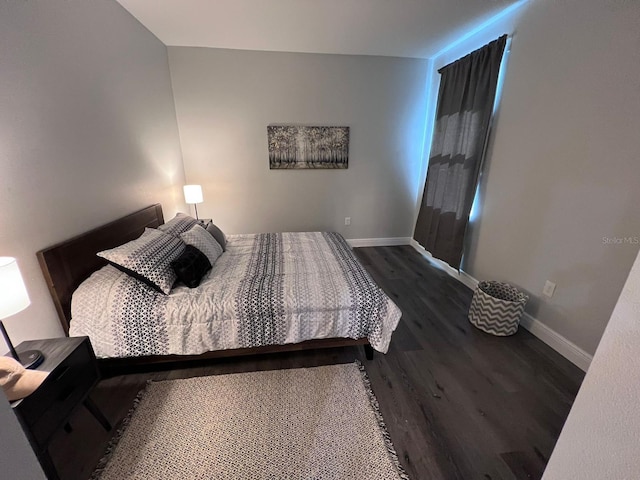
[(13, 299), (193, 196)]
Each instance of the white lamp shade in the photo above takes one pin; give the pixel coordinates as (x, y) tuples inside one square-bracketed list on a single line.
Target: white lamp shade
[(193, 194), (13, 293)]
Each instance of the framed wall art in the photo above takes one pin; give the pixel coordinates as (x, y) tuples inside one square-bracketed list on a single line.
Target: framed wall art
[(296, 147)]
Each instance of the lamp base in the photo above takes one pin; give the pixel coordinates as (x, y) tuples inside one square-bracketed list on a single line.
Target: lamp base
[(30, 358)]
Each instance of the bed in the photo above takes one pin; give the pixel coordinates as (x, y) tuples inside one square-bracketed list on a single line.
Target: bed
[(267, 293)]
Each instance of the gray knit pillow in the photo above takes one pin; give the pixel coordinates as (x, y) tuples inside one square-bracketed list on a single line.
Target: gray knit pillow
[(148, 258), (203, 241)]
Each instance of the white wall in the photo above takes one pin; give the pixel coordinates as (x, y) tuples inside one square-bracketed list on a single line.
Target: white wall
[(226, 98), (601, 435), (562, 171), (17, 459), (87, 132)]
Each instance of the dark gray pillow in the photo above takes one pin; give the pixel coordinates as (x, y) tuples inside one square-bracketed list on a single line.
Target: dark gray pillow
[(148, 258), (218, 235)]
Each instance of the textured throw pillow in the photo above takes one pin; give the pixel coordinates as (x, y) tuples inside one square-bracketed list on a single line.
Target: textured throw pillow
[(178, 224), (148, 258), (200, 238), (191, 266), (218, 235)]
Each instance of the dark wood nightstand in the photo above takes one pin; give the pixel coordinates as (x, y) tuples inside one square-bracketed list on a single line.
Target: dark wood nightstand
[(73, 374)]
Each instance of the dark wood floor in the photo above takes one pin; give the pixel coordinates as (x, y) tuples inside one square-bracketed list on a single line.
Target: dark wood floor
[(459, 404)]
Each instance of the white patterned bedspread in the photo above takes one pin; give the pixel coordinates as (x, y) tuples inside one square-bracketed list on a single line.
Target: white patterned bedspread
[(266, 289)]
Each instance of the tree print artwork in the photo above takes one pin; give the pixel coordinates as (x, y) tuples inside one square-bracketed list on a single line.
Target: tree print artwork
[(308, 147)]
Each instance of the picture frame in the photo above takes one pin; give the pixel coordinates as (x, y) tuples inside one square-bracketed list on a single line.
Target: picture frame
[(308, 147)]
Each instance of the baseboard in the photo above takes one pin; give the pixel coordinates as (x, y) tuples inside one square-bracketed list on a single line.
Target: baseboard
[(560, 344), (378, 242), (468, 280)]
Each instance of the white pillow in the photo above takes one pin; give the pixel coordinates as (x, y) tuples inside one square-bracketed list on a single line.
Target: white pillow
[(148, 258), (178, 224), (203, 241)]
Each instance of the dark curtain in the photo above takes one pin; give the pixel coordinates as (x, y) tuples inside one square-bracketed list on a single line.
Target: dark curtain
[(465, 105)]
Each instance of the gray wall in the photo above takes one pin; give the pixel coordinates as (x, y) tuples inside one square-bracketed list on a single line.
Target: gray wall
[(17, 459), (226, 98), (87, 132), (600, 437), (563, 170)]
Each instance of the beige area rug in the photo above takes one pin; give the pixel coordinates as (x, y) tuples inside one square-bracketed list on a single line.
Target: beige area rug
[(306, 423)]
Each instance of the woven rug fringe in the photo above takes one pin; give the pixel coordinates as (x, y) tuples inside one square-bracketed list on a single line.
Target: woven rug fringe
[(111, 446), (383, 426)]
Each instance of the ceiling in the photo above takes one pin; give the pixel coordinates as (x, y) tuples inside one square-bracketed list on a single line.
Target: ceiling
[(400, 28)]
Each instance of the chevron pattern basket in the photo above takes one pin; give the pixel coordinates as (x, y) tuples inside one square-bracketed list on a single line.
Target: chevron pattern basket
[(496, 308)]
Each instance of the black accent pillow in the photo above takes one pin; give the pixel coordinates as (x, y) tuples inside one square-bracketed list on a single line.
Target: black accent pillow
[(191, 266)]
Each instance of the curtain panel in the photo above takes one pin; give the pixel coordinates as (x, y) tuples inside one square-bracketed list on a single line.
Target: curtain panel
[(463, 114)]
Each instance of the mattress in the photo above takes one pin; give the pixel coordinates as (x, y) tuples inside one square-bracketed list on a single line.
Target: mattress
[(266, 289)]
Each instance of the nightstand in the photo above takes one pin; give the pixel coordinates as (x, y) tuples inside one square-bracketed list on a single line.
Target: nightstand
[(73, 374)]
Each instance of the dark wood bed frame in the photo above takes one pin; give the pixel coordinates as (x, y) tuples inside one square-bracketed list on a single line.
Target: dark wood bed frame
[(66, 265)]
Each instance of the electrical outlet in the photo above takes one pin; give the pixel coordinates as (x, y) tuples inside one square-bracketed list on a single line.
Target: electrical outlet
[(347, 220), (549, 289)]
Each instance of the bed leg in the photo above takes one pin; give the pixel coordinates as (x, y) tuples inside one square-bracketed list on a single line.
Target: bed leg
[(368, 351)]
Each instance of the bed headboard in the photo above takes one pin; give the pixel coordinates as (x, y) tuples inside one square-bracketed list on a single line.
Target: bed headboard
[(66, 265)]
